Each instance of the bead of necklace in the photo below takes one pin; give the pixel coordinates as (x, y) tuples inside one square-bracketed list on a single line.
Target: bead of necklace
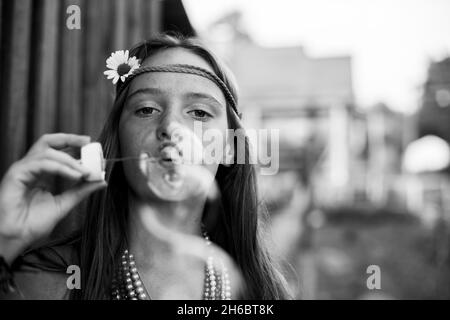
[(128, 285)]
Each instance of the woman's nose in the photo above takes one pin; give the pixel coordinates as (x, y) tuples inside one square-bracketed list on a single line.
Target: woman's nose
[(162, 133), (170, 129)]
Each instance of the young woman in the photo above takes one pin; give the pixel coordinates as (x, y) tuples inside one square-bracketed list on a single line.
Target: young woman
[(128, 226)]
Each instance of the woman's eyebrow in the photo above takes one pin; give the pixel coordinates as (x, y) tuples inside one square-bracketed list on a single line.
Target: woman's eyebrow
[(189, 95), (202, 96), (152, 91)]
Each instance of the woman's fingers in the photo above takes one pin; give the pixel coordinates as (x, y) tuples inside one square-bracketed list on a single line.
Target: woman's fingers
[(64, 158), (32, 169), (59, 141), (69, 199)]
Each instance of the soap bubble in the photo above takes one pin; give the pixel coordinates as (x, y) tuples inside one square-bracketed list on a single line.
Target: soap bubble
[(176, 172), (176, 181)]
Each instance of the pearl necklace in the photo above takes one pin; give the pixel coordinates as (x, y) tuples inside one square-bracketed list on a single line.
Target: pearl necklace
[(127, 283)]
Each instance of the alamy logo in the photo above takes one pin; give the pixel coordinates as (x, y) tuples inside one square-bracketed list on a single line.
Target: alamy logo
[(74, 280), (374, 280), (263, 146), (73, 21)]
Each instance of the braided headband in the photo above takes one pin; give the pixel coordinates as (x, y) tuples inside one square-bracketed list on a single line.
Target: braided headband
[(183, 68)]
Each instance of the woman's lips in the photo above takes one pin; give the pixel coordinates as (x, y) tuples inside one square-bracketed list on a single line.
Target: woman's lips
[(170, 152), (170, 155)]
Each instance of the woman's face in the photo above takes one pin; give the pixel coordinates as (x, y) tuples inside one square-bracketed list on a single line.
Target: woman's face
[(162, 103)]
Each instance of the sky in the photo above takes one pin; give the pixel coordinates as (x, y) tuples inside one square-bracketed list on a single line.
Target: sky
[(391, 42)]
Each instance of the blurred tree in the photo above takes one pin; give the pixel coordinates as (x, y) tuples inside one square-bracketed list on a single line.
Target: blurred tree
[(233, 22), (434, 114)]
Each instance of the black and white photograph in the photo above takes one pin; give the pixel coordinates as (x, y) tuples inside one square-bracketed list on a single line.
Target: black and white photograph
[(251, 150)]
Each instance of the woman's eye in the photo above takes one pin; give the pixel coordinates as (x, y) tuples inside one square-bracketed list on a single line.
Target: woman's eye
[(200, 114), (146, 111)]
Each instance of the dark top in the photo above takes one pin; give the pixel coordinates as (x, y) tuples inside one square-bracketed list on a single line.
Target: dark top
[(42, 273)]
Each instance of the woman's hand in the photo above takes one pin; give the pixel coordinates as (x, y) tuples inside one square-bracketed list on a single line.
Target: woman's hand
[(28, 211)]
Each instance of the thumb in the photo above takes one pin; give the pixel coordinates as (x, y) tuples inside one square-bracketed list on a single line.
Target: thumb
[(72, 197)]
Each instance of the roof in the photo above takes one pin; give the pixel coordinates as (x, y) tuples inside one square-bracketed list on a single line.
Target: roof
[(286, 73)]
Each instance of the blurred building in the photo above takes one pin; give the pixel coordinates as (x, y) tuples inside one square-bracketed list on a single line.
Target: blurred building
[(434, 114), (310, 100), (343, 196), (385, 145), (345, 154), (427, 159)]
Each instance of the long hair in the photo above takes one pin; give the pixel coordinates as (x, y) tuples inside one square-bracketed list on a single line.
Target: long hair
[(238, 231)]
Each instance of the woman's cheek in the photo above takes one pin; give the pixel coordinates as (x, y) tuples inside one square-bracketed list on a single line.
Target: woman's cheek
[(131, 138), (135, 178)]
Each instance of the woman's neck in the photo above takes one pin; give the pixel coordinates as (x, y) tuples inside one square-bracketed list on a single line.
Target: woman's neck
[(156, 227)]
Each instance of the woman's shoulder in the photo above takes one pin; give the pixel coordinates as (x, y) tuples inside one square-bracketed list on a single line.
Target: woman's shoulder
[(41, 273), (51, 258)]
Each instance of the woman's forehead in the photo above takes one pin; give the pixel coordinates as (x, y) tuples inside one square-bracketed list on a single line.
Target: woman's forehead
[(176, 83)]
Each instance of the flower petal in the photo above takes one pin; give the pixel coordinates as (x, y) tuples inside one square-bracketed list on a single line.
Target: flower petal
[(117, 58), (133, 62), (109, 72), (111, 64), (132, 70)]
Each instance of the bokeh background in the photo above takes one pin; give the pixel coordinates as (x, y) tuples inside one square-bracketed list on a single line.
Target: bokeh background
[(360, 91)]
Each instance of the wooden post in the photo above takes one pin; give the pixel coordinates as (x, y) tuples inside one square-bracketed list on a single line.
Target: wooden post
[(97, 93), (120, 29), (69, 72), (44, 61), (15, 70)]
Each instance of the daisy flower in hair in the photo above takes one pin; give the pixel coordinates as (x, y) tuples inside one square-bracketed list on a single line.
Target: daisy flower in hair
[(120, 66)]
